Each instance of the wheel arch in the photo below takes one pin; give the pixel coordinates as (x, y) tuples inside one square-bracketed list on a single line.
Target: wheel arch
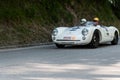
[(114, 30), (116, 33), (99, 33), (93, 43), (115, 38), (96, 31)]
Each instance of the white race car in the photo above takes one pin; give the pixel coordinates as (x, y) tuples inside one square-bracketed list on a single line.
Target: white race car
[(84, 35)]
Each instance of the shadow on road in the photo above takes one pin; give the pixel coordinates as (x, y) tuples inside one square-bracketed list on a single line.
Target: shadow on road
[(85, 46), (70, 63)]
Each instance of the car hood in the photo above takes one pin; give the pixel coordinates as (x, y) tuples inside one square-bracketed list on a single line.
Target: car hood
[(73, 31)]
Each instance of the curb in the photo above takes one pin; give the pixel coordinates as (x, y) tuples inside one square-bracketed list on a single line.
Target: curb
[(25, 45)]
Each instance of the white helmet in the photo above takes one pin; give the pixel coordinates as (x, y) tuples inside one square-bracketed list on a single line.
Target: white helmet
[(83, 20)]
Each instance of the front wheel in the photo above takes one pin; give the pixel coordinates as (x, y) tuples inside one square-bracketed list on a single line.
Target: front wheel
[(95, 40), (60, 45), (115, 40)]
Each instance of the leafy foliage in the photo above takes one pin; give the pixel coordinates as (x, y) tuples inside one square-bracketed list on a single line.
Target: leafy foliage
[(31, 21), (116, 7)]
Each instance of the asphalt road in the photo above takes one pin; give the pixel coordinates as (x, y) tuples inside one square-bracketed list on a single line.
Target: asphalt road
[(71, 63)]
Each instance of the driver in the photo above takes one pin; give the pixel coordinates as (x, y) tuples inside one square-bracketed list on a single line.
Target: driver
[(83, 21), (96, 21)]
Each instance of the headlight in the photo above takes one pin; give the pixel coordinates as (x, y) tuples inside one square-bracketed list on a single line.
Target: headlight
[(84, 31), (55, 32)]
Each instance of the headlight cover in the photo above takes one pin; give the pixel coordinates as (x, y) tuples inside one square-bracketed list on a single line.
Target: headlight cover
[(55, 32), (85, 31)]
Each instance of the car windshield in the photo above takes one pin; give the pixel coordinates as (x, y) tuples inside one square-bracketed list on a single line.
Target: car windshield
[(88, 23)]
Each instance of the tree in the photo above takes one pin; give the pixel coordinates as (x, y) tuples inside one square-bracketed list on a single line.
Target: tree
[(116, 7), (116, 3)]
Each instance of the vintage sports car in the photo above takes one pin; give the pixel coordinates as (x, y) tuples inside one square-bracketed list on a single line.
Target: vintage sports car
[(87, 34)]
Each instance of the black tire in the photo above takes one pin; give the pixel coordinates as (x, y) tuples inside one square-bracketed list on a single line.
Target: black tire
[(60, 45), (115, 40), (95, 40)]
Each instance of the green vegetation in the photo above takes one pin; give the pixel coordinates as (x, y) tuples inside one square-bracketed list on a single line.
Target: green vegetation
[(116, 7), (31, 21)]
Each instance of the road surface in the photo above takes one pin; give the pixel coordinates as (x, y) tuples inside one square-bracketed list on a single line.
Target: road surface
[(71, 63)]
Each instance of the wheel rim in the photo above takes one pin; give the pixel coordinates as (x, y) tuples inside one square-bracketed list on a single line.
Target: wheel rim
[(95, 40)]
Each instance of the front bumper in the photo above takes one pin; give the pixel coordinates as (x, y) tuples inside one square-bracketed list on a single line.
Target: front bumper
[(82, 41)]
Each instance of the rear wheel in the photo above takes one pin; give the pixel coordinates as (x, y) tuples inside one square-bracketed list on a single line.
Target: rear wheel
[(115, 40), (95, 40), (60, 45)]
